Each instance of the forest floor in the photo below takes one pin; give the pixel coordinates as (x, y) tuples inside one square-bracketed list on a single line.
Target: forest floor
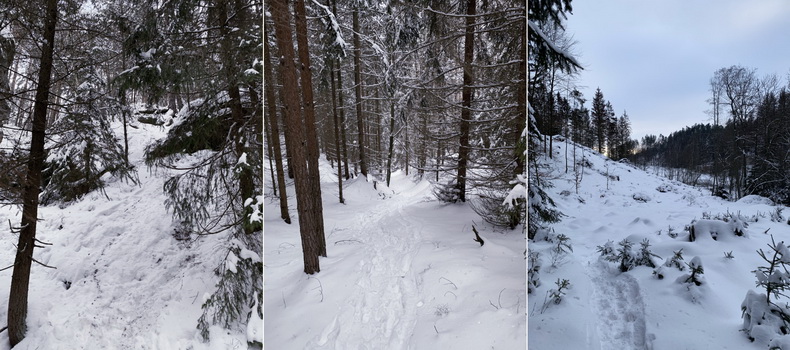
[(402, 272), (122, 281), (608, 309)]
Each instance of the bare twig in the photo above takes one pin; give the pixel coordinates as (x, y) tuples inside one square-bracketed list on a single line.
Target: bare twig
[(320, 288), (434, 328), (492, 304), (451, 282), (43, 264), (348, 240)]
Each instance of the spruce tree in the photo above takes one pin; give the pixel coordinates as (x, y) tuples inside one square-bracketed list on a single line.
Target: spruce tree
[(599, 120)]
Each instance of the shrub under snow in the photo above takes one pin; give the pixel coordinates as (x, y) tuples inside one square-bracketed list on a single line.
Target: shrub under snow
[(765, 319), (705, 230)]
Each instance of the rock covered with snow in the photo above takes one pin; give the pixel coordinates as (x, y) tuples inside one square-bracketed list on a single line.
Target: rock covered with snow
[(641, 197), (755, 199), (706, 230)]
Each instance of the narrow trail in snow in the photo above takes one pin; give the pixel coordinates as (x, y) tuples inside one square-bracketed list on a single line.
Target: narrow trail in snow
[(618, 303), (381, 313)]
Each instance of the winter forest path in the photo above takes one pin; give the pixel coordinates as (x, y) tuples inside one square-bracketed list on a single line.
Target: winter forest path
[(381, 312), (617, 300)]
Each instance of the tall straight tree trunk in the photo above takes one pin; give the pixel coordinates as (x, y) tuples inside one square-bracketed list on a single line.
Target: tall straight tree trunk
[(341, 107), (406, 146), (20, 279), (466, 105), (379, 155), (522, 98), (316, 206), (337, 131), (358, 91), (7, 53), (274, 126), (287, 136), (230, 70), (391, 141), (291, 102)]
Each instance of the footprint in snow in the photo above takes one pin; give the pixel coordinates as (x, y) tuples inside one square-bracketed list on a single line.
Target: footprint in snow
[(618, 302)]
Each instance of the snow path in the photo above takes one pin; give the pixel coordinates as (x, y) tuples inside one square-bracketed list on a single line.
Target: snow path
[(618, 303), (383, 306)]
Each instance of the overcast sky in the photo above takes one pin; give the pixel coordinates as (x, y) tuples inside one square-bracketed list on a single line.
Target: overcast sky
[(655, 59)]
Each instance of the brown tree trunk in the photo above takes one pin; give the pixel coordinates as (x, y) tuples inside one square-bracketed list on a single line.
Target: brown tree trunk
[(290, 97), (274, 126), (337, 131), (230, 70), (379, 156), (391, 141), (466, 93), (342, 108), (314, 178), (20, 280), (358, 91), (7, 53)]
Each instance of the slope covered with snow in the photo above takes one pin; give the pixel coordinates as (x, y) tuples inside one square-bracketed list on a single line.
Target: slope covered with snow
[(402, 272), (122, 281), (607, 309)]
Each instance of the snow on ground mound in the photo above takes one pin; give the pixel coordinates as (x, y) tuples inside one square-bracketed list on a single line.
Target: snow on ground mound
[(755, 199), (607, 309), (122, 280)]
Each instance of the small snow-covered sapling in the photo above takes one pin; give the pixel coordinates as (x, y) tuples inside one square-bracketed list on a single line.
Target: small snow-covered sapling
[(695, 266), (675, 260), (555, 295), (533, 271), (763, 310), (645, 257)]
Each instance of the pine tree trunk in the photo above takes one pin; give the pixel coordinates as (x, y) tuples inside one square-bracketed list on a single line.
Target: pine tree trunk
[(341, 107), (391, 141), (358, 91), (288, 68), (379, 155), (316, 206), (230, 70), (466, 93), (7, 53), (337, 131), (274, 126), (20, 280)]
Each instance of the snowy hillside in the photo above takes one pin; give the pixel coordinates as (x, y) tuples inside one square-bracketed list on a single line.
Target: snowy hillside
[(402, 272), (122, 281), (604, 308)]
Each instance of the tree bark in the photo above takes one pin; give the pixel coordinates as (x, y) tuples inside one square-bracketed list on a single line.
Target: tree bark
[(358, 91), (230, 70), (337, 131), (466, 93), (7, 52), (391, 141), (274, 126), (307, 226), (316, 206), (20, 280)]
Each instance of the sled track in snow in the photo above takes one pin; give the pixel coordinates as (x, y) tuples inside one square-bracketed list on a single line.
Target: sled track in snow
[(618, 303), (381, 313)]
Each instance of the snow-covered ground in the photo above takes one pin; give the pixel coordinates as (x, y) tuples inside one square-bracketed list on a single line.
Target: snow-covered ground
[(122, 280), (607, 309), (402, 272)]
